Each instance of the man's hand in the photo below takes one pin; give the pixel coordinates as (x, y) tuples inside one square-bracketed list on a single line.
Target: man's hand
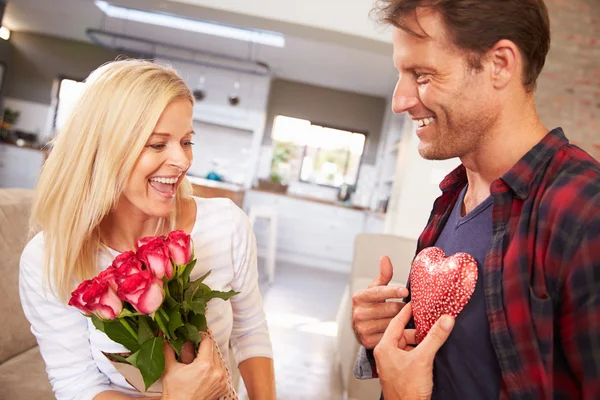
[(405, 371), (370, 313)]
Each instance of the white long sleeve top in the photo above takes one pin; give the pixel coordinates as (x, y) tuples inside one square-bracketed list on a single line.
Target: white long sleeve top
[(72, 347)]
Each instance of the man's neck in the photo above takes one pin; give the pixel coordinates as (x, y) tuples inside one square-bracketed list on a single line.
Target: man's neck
[(503, 146)]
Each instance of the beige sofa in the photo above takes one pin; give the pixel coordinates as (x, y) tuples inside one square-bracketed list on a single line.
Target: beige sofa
[(22, 370), (368, 248)]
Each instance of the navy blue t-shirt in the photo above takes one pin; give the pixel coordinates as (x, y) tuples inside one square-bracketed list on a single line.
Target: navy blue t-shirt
[(466, 366)]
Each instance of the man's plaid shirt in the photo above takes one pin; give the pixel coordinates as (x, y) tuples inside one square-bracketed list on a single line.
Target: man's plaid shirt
[(542, 271)]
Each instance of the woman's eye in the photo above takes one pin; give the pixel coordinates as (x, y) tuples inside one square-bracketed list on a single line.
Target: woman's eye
[(188, 144), (157, 146)]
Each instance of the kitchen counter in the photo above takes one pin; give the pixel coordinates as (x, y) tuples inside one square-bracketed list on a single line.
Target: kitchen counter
[(209, 189), (196, 180), (313, 199), (24, 144)]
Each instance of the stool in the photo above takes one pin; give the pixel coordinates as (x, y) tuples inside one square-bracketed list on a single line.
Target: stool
[(271, 215)]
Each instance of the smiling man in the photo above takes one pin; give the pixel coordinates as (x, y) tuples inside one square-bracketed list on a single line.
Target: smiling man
[(525, 203)]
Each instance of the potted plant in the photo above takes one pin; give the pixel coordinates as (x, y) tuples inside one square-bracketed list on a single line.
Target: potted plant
[(9, 118), (277, 182)]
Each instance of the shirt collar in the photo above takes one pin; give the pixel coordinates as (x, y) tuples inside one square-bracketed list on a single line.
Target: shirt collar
[(521, 176)]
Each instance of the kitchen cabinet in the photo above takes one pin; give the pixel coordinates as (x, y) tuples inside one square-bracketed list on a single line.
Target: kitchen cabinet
[(311, 233), (19, 166)]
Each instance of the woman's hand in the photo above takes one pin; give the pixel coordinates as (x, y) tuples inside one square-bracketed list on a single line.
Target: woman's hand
[(203, 379)]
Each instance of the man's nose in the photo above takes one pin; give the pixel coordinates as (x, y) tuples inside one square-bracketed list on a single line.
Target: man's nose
[(405, 96)]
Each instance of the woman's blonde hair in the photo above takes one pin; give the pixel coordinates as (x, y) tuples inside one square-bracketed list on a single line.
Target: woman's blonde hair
[(91, 160)]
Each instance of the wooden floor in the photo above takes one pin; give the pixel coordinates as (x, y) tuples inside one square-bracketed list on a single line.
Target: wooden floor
[(301, 307)]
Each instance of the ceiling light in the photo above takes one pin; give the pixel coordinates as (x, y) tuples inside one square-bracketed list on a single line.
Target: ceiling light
[(4, 33), (210, 28)]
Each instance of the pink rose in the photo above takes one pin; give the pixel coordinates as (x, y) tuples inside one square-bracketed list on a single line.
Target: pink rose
[(143, 291), (180, 247), (128, 257), (96, 297), (148, 239), (155, 255), (124, 264)]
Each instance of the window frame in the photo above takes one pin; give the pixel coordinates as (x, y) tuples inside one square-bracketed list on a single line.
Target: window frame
[(348, 152)]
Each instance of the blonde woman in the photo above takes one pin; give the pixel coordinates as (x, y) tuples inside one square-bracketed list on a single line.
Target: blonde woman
[(117, 173)]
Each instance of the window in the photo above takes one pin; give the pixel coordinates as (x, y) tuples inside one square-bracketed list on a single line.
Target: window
[(69, 91), (315, 154)]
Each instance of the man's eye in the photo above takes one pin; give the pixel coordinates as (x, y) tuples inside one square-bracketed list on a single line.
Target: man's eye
[(421, 78)]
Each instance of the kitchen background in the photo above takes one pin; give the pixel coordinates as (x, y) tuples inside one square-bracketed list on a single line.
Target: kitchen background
[(293, 123)]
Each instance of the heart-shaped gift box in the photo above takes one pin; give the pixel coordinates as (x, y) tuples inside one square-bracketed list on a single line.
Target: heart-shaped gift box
[(440, 285)]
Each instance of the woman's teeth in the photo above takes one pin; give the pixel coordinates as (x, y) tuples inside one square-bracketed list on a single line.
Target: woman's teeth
[(168, 181), (424, 122)]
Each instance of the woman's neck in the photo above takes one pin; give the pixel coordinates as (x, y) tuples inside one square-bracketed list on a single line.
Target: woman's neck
[(121, 229)]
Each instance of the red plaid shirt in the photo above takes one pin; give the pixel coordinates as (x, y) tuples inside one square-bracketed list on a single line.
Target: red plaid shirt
[(542, 271)]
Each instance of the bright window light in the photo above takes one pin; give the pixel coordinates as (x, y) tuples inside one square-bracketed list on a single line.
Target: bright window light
[(315, 154), (209, 28), (4, 33), (69, 93)]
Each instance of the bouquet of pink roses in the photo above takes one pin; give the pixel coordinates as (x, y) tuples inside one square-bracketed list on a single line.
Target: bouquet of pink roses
[(146, 297)]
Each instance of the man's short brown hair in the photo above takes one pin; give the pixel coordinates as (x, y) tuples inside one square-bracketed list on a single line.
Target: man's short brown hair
[(475, 26)]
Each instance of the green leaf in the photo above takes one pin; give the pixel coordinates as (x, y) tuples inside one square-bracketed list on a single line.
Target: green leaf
[(98, 323), (126, 313), (132, 359), (199, 321), (194, 290), (203, 277), (171, 302), (202, 292), (118, 333), (192, 334), (144, 330), (151, 360), (116, 358), (187, 271), (176, 290), (174, 320), (177, 344), (198, 306), (215, 294)]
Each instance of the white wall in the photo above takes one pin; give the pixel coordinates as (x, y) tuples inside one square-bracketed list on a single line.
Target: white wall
[(415, 188), (349, 17), (223, 122), (224, 148)]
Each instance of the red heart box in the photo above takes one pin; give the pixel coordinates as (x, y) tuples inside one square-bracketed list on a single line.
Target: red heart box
[(440, 285)]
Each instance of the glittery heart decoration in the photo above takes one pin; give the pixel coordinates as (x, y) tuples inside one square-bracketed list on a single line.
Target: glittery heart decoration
[(440, 285)]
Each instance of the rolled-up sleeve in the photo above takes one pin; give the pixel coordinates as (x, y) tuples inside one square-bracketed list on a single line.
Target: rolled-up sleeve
[(365, 367), (250, 334), (61, 332)]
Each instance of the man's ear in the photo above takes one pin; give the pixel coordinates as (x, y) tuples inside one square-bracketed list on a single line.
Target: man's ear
[(506, 63)]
